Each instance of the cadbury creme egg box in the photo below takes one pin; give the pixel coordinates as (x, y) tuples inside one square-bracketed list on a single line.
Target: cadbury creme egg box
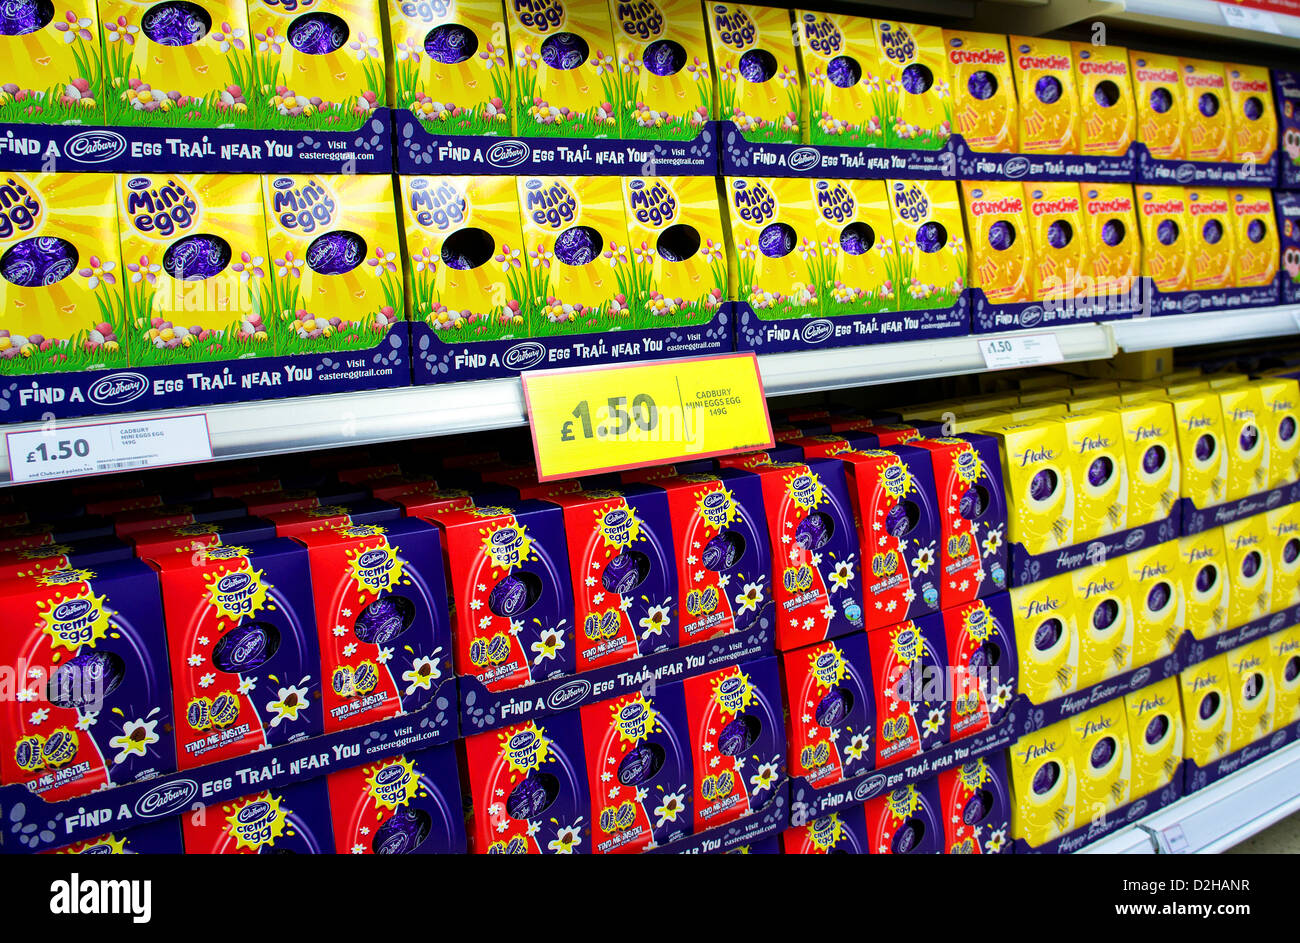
[(906, 821), (981, 643), (975, 806), (293, 820), (843, 832), (830, 710), (909, 667)]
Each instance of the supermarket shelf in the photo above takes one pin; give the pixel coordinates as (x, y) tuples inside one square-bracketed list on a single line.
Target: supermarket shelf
[(1212, 327), (1127, 841)]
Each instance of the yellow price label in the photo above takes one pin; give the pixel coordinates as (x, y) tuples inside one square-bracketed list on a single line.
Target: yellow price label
[(609, 418)]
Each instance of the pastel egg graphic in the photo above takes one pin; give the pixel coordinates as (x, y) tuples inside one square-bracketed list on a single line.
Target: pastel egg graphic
[(977, 807), (738, 735), (1043, 485), (246, 647), (1156, 729), (1167, 232), (814, 531), (194, 258), (1002, 235), (532, 796), (39, 261), (176, 23), (336, 253), (1045, 778), (777, 240), (578, 245), (1250, 564), (450, 43), (1153, 459), (402, 833), (917, 79), (1047, 634), (834, 706), (1206, 577), (974, 502), (20, 17), (678, 243), (1209, 705), (317, 34), (1161, 100), (85, 680), (225, 709), (384, 619), (664, 57), (1102, 752), (982, 85), (1100, 471), (844, 72), (564, 51), (723, 551), (757, 65), (514, 594), (625, 572), (640, 764), (908, 837), (902, 518), (1113, 232), (1048, 89)]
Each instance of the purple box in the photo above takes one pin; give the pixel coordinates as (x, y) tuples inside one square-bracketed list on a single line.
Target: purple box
[(400, 805)]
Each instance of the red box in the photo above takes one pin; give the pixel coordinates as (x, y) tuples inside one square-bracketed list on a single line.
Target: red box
[(299, 523), (906, 821), (830, 710), (975, 806), (909, 664), (981, 642)]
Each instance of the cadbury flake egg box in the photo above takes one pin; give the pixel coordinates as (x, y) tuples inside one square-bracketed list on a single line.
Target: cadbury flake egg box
[(527, 784), (242, 644), (975, 806), (1103, 759), (909, 665), (842, 68), (319, 66), (294, 819), (194, 254), (1155, 734), (1283, 524), (1207, 582), (1037, 472), (830, 710), (757, 71), (777, 263), (664, 82), (1285, 651), (624, 574), (1208, 719), (52, 73), (640, 770), (1108, 123), (578, 265), (983, 91), (1254, 236), (1001, 251), (855, 234), (905, 821), (981, 643), (928, 265), (470, 275), (381, 616), (511, 596), (334, 281), (1250, 681), (677, 243), (1100, 472), (1247, 439), (1049, 101), (566, 70), (60, 285), (400, 805), (1047, 637), (178, 64), (1155, 585), (816, 578), (843, 832), (1158, 98), (1166, 237), (915, 102), (737, 737), (1249, 565), (451, 64), (1104, 619), (91, 708), (1205, 110), (722, 553), (1044, 784), (1281, 396)]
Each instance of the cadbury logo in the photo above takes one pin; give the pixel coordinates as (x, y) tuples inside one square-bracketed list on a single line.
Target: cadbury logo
[(869, 787), (803, 158), (117, 389), (1015, 167), (232, 583), (508, 153), (373, 558), (95, 147), (814, 332), (166, 798), (72, 610), (568, 694), (523, 356)]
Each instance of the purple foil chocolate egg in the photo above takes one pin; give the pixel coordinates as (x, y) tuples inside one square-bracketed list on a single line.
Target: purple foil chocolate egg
[(833, 707), (1106, 94), (640, 764), (1292, 669), (1205, 447), (41, 260), (777, 240), (20, 17), (856, 239), (1046, 777), (532, 796), (1043, 485), (336, 253), (578, 245), (1286, 429), (757, 65), (403, 832), (246, 647), (1159, 596), (678, 243), (384, 620), (908, 837), (1002, 235), (1167, 232), (1209, 705), (1256, 230), (85, 680), (982, 85), (931, 237), (625, 572), (1048, 89), (1250, 564), (917, 79), (1113, 232), (1252, 108), (564, 51), (664, 57), (317, 34), (1208, 104), (988, 655), (1206, 577), (1102, 752), (1048, 634), (1161, 100), (723, 551), (814, 531), (974, 502), (902, 517), (737, 737), (1290, 550), (194, 258), (450, 43), (1104, 615), (509, 597), (1100, 471), (1249, 438), (977, 807), (1153, 459), (1212, 231), (467, 249), (844, 72), (1059, 234), (176, 23), (1156, 729)]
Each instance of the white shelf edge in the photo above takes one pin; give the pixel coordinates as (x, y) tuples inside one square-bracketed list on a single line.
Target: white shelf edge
[(1210, 327)]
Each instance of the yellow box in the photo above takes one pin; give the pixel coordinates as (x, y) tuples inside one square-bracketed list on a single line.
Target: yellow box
[(1036, 473), (1284, 649), (469, 218), (1033, 397), (664, 80), (1250, 569), (1210, 237), (1207, 582), (1001, 251), (1206, 111), (1188, 387), (173, 313), (1109, 123), (578, 256), (1049, 101), (1044, 784), (1155, 584), (1158, 95), (1062, 263), (54, 73), (1151, 447), (1207, 710), (1255, 237), (1100, 473), (1283, 525), (335, 280), (565, 69), (60, 314), (751, 42), (1202, 452), (1089, 387), (1104, 615), (983, 90), (1088, 403), (1254, 120), (207, 83), (1035, 411), (1103, 759), (1246, 436), (841, 65), (855, 233), (777, 277), (1047, 637), (1155, 734), (929, 263), (916, 104), (1254, 694), (1282, 408), (466, 87), (1166, 240), (1111, 226), (1226, 380), (679, 256)]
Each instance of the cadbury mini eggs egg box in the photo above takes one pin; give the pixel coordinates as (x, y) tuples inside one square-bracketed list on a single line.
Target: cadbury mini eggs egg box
[(53, 70), (178, 64), (777, 257), (846, 92), (830, 710), (294, 819), (915, 110), (757, 71), (665, 84), (334, 281), (195, 282), (61, 284), (318, 66)]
